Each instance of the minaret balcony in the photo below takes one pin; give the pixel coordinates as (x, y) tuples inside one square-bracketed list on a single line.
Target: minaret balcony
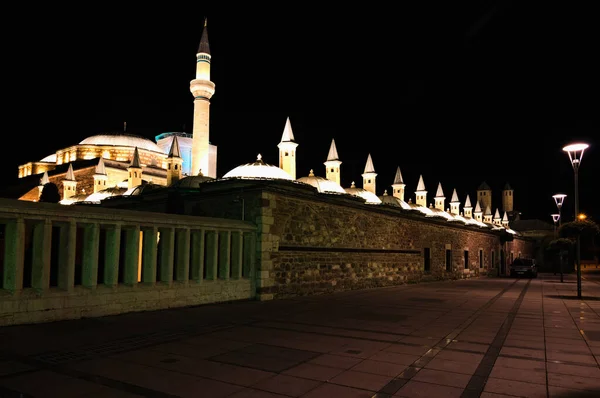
[(202, 88)]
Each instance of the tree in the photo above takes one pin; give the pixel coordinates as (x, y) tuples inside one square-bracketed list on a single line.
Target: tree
[(588, 232), (50, 193)]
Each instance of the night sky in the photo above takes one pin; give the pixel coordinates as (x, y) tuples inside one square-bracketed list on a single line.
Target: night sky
[(489, 91)]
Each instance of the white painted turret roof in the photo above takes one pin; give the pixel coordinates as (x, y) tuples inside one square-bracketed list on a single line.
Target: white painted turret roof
[(368, 196), (333, 154), (288, 134), (398, 178), (369, 166), (421, 184)]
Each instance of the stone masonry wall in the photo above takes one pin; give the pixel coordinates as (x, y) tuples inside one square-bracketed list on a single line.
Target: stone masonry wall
[(315, 246)]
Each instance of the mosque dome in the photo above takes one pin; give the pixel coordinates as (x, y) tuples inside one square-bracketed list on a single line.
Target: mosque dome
[(122, 139), (323, 185), (191, 181), (258, 170), (370, 197)]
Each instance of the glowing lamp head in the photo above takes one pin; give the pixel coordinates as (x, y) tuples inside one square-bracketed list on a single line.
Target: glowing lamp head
[(555, 217), (575, 152), (559, 199), (581, 216)]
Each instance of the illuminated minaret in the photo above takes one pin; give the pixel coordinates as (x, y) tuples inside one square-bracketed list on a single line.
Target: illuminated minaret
[(398, 185), (100, 176), (507, 198), (454, 203), (468, 208), (439, 198), (478, 213), (174, 162), (43, 181), (332, 165), (202, 89), (369, 176), (487, 216), (135, 170), (421, 193), (287, 150), (69, 183)]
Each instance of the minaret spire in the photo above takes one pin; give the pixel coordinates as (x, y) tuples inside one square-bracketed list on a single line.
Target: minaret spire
[(174, 162), (202, 88), (468, 208), (332, 164), (135, 170), (369, 176), (398, 185), (287, 150), (69, 183), (100, 176)]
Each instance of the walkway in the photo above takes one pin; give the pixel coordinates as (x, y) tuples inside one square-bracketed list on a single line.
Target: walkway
[(486, 337)]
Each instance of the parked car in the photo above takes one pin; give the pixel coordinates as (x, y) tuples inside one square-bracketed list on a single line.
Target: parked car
[(523, 267)]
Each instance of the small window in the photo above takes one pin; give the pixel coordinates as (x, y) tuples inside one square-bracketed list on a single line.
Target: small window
[(448, 259), (480, 258), (426, 259), (466, 259)]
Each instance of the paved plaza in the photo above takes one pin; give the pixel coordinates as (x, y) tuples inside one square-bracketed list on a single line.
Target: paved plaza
[(483, 337)]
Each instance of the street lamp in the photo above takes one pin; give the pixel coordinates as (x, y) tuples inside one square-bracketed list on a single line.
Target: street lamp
[(575, 152), (555, 218)]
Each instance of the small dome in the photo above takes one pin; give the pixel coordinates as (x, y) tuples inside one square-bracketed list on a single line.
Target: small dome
[(323, 185), (191, 181), (370, 197), (122, 140), (258, 170)]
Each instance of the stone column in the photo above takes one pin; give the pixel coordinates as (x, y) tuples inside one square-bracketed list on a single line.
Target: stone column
[(149, 254), (112, 252), (197, 255), (167, 252), (249, 255), (40, 262), (66, 256), (224, 254), (182, 271), (91, 243), (132, 255), (212, 252), (14, 255), (237, 254)]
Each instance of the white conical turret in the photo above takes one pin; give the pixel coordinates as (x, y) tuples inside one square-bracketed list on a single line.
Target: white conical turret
[(43, 181), (505, 220), (369, 176), (135, 170), (287, 150), (100, 176), (478, 213), (332, 165), (487, 216), (69, 183), (468, 209), (439, 198), (421, 193), (497, 219), (398, 185), (202, 89), (454, 203)]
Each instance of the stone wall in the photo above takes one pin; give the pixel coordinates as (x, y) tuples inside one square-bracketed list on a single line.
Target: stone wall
[(317, 246)]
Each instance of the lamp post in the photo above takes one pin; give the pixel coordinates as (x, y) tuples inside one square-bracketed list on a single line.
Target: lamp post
[(575, 152), (559, 198), (555, 218)]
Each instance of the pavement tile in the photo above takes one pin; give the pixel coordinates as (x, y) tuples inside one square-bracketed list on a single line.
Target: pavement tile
[(527, 364), (362, 380), (523, 353), (452, 366), (515, 388), (407, 349), (576, 370), (12, 367), (472, 347), (460, 356), (571, 358), (441, 377), (287, 385), (402, 359), (252, 393), (45, 383), (334, 391), (313, 371), (530, 376), (335, 361), (573, 382), (427, 390), (559, 392), (380, 368)]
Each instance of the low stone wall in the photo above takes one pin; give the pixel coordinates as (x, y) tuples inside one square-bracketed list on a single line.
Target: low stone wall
[(56, 304)]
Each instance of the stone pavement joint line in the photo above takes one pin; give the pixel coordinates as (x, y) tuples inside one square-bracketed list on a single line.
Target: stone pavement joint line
[(405, 376), (478, 379)]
